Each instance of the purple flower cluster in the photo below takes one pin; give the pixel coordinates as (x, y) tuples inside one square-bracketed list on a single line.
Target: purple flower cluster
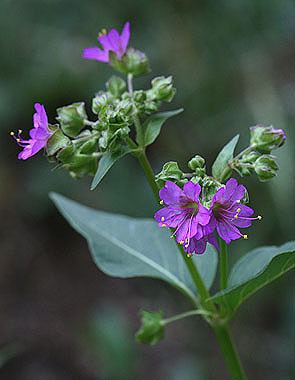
[(195, 224), (112, 41), (39, 134)]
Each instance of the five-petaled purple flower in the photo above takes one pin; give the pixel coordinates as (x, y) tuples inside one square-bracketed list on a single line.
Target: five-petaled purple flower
[(111, 41), (185, 213), (39, 134), (228, 213)]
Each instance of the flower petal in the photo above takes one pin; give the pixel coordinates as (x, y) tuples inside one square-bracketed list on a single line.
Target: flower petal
[(170, 217), (170, 193), (192, 191), (125, 36), (96, 54), (227, 231)]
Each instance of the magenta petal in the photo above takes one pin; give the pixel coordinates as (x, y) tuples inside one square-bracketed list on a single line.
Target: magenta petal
[(170, 193), (169, 217), (96, 54), (228, 232), (125, 36), (115, 41), (192, 191)]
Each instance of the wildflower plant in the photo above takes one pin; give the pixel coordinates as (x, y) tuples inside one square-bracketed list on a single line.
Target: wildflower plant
[(200, 211)]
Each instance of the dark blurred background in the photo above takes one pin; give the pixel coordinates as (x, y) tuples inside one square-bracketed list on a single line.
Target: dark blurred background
[(60, 317)]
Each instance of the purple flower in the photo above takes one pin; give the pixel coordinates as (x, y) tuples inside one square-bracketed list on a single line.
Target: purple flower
[(39, 134), (185, 213), (111, 41), (228, 214)]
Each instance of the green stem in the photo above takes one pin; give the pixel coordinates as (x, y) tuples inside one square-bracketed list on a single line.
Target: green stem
[(148, 171), (136, 121), (223, 263), (230, 353), (186, 314)]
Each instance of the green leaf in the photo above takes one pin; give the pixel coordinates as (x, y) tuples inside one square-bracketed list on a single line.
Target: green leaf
[(126, 247), (105, 163), (152, 126), (255, 270), (220, 166)]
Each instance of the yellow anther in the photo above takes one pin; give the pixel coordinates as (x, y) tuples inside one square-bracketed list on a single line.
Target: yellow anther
[(161, 202), (236, 216), (162, 219), (189, 255), (102, 32), (259, 217), (181, 242), (164, 225), (20, 131), (171, 236), (17, 140), (238, 210), (245, 237), (11, 133), (238, 201), (186, 240)]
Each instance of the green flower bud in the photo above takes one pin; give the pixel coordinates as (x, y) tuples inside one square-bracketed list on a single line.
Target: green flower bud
[(133, 62), (266, 139), (139, 96), (57, 141), (101, 101), (152, 328), (209, 189), (162, 89), (196, 162), (266, 167), (72, 118), (170, 171), (116, 86)]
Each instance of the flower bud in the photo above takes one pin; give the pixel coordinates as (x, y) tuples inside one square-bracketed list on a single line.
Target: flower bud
[(162, 89), (170, 171), (196, 162), (71, 118), (133, 62), (100, 101), (265, 139), (152, 328), (210, 186), (266, 167), (116, 86), (139, 96)]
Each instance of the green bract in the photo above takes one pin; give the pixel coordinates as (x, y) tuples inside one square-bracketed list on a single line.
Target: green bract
[(152, 327), (266, 167), (72, 118)]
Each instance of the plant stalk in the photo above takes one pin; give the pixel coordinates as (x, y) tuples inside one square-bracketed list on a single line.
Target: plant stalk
[(229, 352), (223, 263)]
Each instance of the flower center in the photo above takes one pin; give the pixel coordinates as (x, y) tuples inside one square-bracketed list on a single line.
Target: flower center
[(192, 205)]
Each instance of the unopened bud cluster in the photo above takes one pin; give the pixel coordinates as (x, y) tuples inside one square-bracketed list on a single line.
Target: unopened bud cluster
[(258, 157), (77, 143)]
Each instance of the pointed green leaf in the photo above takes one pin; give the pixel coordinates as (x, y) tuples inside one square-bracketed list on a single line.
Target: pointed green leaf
[(126, 247), (220, 165), (105, 163), (152, 126), (255, 270)]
